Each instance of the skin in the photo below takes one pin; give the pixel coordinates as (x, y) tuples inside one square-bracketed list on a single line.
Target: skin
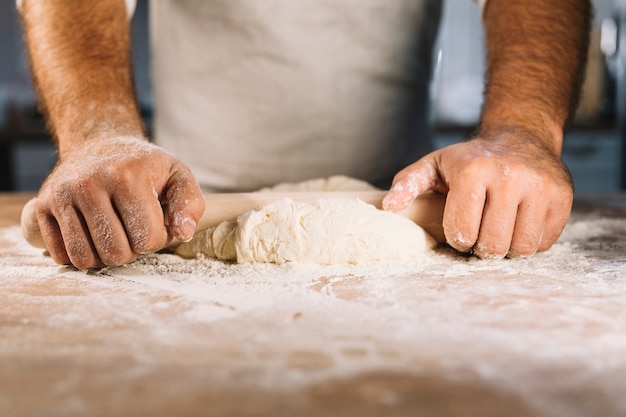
[(113, 195), (508, 192)]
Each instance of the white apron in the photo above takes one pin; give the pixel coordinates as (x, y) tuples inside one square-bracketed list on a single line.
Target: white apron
[(251, 93)]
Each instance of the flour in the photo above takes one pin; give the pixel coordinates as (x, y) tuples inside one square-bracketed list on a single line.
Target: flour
[(548, 329), (590, 248), (588, 243), (579, 252)]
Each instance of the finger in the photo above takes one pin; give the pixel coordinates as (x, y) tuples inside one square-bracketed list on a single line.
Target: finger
[(462, 215), (106, 230), (556, 220), (411, 182), (529, 226), (52, 238), (184, 203), (75, 237), (497, 225), (142, 217)]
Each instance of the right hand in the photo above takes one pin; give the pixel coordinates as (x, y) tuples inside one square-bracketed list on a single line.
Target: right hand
[(507, 194), (108, 202)]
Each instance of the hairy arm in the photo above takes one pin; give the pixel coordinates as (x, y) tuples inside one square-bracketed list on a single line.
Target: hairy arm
[(102, 204), (536, 53), (80, 61), (508, 193)]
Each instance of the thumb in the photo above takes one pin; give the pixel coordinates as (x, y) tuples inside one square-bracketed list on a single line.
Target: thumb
[(412, 181), (184, 203)]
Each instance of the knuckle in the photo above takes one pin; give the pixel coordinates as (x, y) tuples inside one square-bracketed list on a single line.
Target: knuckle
[(146, 244), (110, 251), (71, 189), (50, 201), (487, 170), (145, 235), (474, 169), (142, 245), (114, 175)]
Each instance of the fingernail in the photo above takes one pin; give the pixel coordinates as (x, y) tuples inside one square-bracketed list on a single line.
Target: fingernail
[(188, 229)]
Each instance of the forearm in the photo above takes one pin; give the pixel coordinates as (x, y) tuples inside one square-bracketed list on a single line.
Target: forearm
[(80, 59), (536, 51)]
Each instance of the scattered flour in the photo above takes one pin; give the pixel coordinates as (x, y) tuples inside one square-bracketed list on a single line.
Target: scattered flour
[(521, 325)]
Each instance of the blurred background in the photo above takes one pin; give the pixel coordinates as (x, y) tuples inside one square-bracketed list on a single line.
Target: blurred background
[(595, 146)]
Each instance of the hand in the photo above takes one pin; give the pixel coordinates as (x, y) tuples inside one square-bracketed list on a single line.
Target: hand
[(508, 194), (108, 202)]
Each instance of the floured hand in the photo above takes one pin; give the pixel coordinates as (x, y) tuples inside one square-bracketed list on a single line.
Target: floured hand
[(507, 194), (107, 202)]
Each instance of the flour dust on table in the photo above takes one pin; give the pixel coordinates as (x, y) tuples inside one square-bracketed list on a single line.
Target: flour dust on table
[(327, 232)]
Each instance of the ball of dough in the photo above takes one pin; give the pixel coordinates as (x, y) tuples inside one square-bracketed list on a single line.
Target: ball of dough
[(332, 231)]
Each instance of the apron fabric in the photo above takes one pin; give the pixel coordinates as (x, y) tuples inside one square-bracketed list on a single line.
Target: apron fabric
[(251, 93)]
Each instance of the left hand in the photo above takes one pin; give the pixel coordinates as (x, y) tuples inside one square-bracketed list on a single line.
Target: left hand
[(508, 194)]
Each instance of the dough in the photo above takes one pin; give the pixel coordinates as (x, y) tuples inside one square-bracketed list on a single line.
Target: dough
[(332, 231), (334, 183)]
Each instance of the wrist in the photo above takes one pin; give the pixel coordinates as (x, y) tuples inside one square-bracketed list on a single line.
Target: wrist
[(96, 122), (517, 121), (519, 136)]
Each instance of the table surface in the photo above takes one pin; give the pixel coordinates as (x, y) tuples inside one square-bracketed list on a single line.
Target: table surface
[(449, 335)]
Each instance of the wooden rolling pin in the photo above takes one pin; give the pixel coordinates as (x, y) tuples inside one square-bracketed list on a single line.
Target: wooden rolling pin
[(426, 211)]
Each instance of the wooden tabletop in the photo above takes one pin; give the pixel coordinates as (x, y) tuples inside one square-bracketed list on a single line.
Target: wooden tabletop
[(450, 335)]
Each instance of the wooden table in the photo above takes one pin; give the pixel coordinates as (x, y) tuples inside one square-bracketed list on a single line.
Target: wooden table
[(451, 336)]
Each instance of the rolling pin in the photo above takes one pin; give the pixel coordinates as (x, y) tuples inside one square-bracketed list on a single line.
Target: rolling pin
[(426, 210)]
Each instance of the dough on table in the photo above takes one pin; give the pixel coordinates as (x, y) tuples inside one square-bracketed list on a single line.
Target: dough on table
[(334, 183), (330, 231)]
